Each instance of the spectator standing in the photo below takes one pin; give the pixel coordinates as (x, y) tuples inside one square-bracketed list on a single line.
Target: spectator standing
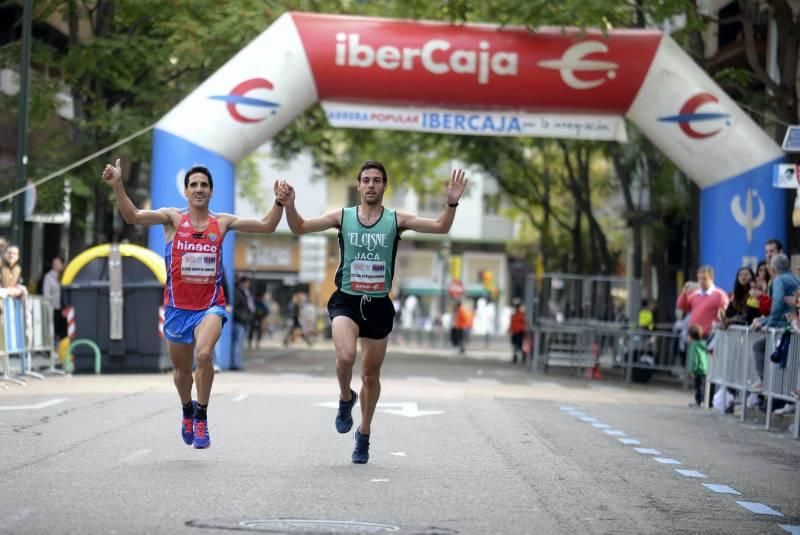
[(51, 289), (761, 288), (259, 323), (783, 285), (295, 313), (517, 331), (11, 273), (705, 302), (243, 311), (462, 323), (698, 363), (742, 308)]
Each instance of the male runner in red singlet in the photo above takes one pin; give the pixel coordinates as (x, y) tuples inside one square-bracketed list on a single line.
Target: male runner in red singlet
[(194, 298)]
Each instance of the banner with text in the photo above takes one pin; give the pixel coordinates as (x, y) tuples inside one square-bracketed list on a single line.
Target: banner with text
[(476, 123)]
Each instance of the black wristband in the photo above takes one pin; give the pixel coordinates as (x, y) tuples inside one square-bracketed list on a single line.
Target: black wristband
[(279, 203), (452, 205)]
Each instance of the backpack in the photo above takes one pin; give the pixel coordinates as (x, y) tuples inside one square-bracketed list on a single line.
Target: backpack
[(781, 353)]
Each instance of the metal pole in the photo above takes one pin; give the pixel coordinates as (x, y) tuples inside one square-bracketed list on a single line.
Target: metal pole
[(18, 220)]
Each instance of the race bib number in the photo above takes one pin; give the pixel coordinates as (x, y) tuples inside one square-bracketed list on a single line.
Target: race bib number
[(198, 268), (368, 275)]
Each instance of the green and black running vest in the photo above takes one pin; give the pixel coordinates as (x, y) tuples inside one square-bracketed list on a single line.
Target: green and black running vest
[(367, 254)]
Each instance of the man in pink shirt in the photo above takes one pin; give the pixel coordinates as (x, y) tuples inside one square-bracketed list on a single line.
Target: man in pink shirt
[(705, 302)]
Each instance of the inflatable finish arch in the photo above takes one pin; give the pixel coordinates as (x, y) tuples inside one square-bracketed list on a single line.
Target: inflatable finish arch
[(642, 75)]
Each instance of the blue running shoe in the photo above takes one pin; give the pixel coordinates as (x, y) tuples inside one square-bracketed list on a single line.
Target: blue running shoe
[(202, 439), (344, 416), (187, 429), (361, 451)]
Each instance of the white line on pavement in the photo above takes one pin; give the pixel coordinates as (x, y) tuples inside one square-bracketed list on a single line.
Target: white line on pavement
[(690, 473), (647, 451), (398, 454), (614, 432), (481, 381), (240, 397), (598, 425), (424, 379), (666, 460), (759, 508), (629, 441), (135, 456), (792, 530), (42, 405), (589, 419), (379, 480), (721, 489)]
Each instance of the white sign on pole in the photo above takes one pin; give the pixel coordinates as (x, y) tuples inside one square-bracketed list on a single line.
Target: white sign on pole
[(784, 175), (791, 142), (313, 258)]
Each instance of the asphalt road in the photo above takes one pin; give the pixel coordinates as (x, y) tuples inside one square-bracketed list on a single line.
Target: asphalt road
[(459, 445)]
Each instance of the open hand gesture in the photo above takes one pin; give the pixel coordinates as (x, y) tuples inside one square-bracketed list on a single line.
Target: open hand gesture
[(455, 186), (112, 174)]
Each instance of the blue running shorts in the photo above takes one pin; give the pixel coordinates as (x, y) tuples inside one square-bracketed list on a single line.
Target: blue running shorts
[(179, 323)]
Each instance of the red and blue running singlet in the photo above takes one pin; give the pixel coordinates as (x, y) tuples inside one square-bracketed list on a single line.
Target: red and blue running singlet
[(194, 266)]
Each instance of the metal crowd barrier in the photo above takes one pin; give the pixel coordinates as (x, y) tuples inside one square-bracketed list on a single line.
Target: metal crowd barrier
[(595, 344), (26, 328), (732, 366), (781, 383)]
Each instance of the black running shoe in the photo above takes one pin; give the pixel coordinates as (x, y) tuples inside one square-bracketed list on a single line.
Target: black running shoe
[(361, 451), (344, 416)]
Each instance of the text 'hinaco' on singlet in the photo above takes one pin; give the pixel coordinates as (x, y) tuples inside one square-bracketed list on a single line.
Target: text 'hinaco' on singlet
[(367, 254), (194, 266)]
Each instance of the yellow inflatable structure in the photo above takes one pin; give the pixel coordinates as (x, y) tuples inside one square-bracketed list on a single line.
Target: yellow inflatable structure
[(152, 260)]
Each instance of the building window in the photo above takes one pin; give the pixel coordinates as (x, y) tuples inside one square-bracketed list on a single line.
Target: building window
[(491, 204), (353, 196), (431, 203)]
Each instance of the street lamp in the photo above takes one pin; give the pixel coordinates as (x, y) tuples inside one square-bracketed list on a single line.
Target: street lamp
[(445, 264), (18, 219)]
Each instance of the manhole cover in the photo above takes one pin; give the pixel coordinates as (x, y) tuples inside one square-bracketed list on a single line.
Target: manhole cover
[(313, 527), (295, 525)]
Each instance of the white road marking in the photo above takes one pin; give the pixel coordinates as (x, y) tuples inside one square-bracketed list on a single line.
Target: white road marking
[(379, 480), (240, 397), (792, 530), (647, 451), (424, 379), (135, 456), (721, 489), (42, 405), (691, 473), (759, 508), (629, 441), (295, 376), (614, 432), (482, 381), (563, 407), (398, 454), (598, 425), (589, 419), (666, 460), (409, 409)]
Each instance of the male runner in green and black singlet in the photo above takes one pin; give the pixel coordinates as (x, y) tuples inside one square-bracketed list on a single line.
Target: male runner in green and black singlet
[(361, 307)]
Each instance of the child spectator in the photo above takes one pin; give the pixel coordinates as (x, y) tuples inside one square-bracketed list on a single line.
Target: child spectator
[(698, 362)]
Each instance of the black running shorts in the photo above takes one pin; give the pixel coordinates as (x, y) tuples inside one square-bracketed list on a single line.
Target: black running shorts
[(373, 315)]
